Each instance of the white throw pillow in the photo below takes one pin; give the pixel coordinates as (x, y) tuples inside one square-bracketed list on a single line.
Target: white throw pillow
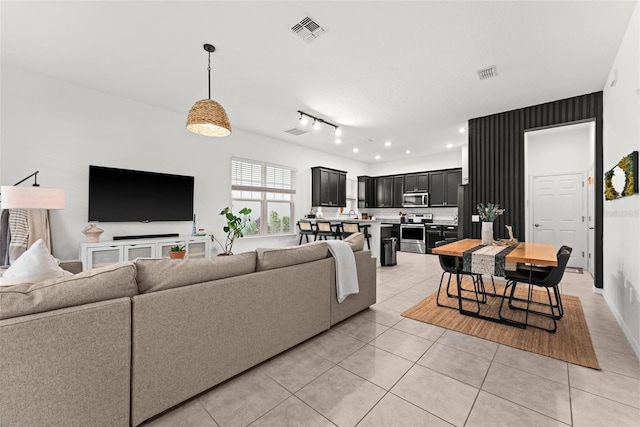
[(36, 263)]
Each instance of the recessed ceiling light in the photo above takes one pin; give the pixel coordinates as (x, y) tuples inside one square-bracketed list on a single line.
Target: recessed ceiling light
[(355, 150), (338, 141), (387, 144), (377, 157), (408, 151), (449, 145), (461, 130)]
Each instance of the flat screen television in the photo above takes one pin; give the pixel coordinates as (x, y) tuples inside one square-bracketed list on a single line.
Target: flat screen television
[(122, 195)]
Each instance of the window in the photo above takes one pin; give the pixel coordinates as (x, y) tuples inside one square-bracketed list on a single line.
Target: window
[(268, 191)]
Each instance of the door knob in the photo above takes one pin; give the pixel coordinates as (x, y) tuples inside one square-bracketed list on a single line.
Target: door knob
[(536, 225)]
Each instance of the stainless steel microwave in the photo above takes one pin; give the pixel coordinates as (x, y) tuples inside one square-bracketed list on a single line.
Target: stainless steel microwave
[(415, 200)]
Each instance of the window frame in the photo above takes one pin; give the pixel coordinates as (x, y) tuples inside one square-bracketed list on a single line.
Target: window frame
[(264, 189)]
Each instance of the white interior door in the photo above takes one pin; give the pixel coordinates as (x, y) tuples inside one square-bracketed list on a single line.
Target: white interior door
[(559, 215)]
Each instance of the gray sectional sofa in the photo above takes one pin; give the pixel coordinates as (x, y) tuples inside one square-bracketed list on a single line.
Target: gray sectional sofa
[(118, 345)]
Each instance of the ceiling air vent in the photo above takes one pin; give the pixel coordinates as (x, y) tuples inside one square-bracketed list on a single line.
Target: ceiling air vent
[(487, 73), (308, 29), (296, 131)]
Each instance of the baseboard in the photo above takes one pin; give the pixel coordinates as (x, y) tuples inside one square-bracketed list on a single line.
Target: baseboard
[(627, 333)]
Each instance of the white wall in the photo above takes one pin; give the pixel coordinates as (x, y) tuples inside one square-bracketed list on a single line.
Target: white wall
[(60, 129), (451, 159), (621, 240)]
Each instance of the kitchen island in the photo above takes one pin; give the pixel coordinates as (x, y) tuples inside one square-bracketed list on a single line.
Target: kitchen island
[(374, 231)]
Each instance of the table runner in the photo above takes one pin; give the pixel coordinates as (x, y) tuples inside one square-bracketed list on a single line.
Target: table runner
[(488, 260)]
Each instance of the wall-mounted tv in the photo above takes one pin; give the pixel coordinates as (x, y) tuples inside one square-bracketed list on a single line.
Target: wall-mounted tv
[(122, 195)]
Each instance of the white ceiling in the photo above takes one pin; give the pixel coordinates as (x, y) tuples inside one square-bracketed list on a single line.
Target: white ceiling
[(399, 71)]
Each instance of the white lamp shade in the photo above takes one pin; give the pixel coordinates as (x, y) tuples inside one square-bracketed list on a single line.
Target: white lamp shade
[(15, 197)]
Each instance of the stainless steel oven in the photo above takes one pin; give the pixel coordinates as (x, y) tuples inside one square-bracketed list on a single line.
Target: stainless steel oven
[(412, 238)]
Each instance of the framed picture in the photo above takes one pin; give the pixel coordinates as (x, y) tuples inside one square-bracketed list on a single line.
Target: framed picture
[(622, 179)]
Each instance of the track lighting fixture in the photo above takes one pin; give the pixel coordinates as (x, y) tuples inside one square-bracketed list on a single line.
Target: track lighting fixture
[(317, 122)]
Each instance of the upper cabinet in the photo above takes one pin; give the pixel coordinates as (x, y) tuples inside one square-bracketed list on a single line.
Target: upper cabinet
[(416, 182), (387, 191), (443, 187), (328, 187)]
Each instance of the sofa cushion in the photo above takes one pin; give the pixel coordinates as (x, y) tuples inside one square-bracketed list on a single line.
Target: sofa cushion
[(356, 241), (270, 258), (36, 264), (160, 274), (100, 284)]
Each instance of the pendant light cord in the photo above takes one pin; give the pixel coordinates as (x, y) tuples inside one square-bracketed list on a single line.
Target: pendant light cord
[(209, 70)]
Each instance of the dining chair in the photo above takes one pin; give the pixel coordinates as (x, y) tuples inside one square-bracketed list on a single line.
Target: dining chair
[(306, 230), (448, 265), (548, 280), (524, 270), (325, 229)]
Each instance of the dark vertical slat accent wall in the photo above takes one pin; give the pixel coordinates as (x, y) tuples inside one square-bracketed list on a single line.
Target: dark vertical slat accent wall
[(497, 158)]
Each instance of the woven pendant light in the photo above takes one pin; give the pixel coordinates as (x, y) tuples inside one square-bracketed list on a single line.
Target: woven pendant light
[(207, 117)]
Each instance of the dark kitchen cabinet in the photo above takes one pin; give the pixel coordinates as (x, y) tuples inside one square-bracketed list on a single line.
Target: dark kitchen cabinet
[(328, 187), (443, 187), (416, 183), (398, 191), (367, 192), (384, 192)]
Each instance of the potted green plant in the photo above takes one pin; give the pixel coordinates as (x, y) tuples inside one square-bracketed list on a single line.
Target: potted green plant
[(235, 228), (177, 251)]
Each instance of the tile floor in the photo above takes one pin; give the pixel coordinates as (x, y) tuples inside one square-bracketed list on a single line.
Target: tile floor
[(380, 369)]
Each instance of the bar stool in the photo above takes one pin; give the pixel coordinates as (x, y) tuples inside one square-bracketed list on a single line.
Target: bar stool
[(348, 228), (325, 229), (306, 230), (364, 229)]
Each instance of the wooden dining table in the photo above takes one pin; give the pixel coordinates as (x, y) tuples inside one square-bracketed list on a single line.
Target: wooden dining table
[(530, 253)]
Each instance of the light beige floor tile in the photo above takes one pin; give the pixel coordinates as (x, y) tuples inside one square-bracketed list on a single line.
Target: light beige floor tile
[(393, 411), (360, 329), (606, 384), (243, 400), (543, 366), (342, 397), (458, 364), (333, 346), (188, 415), (292, 413), (590, 410), (420, 329), (396, 304), (386, 318), (402, 344), (536, 393), (436, 393), (492, 411), (620, 363), (378, 366), (611, 342), (296, 368), (474, 345)]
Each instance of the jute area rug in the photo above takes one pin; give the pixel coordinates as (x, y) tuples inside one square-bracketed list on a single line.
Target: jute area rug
[(571, 342)]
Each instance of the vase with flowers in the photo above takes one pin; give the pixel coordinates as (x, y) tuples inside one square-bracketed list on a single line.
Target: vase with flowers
[(488, 213)]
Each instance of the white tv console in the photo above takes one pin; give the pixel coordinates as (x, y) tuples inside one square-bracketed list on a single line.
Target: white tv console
[(113, 251)]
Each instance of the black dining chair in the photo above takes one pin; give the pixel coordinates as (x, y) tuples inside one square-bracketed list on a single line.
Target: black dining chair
[(306, 230), (548, 279), (448, 265), (523, 271), (350, 227)]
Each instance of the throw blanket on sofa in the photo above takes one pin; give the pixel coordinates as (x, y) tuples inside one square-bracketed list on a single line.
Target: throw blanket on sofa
[(346, 273)]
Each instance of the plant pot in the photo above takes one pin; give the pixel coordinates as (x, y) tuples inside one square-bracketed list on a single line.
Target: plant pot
[(487, 233), (177, 254), (225, 253)]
